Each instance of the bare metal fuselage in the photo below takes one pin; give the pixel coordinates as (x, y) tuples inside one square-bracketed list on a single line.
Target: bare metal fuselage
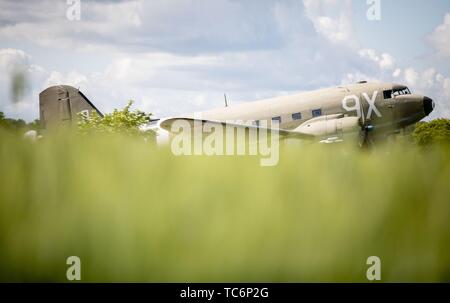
[(371, 102)]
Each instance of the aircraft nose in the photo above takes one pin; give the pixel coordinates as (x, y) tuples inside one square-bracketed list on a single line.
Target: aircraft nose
[(428, 105)]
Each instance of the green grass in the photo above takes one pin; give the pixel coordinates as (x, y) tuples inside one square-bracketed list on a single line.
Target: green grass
[(134, 212)]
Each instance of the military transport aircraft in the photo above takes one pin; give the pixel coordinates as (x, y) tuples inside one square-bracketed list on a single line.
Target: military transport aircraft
[(372, 109)]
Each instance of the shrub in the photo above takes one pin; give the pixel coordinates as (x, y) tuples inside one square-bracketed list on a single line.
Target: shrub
[(123, 121), (436, 131)]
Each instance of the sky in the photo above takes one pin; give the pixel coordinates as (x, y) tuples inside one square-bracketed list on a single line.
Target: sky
[(179, 56)]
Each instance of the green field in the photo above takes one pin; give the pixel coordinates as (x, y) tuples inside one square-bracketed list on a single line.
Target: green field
[(134, 212)]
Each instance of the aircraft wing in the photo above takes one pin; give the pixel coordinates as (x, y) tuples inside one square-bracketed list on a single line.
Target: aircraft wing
[(166, 124)]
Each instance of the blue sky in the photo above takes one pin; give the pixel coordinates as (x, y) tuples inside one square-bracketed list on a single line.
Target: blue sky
[(403, 29), (176, 56)]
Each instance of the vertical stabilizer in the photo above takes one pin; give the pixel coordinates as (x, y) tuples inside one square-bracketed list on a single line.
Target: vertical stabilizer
[(60, 105)]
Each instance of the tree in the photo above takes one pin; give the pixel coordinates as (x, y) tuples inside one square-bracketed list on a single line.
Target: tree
[(436, 131), (17, 125), (118, 122)]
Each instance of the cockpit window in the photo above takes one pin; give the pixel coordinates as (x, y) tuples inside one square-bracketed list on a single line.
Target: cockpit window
[(396, 92), (403, 91), (387, 94)]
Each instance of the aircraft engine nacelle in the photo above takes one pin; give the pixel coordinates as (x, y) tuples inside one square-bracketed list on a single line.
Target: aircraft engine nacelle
[(331, 125)]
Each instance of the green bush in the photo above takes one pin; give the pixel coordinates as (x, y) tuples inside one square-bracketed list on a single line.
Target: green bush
[(17, 125), (433, 132), (125, 122)]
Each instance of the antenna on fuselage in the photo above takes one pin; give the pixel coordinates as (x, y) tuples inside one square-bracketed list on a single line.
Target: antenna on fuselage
[(226, 102)]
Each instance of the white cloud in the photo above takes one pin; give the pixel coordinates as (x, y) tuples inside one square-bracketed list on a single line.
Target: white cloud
[(44, 23), (11, 59), (384, 60), (428, 78), (440, 38), (446, 86), (181, 56), (332, 19), (13, 63), (171, 26), (73, 78), (411, 76), (397, 72)]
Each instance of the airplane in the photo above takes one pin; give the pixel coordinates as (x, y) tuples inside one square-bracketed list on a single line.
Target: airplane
[(373, 110)]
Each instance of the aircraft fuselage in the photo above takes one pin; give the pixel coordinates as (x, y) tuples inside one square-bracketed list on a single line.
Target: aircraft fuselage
[(383, 105)]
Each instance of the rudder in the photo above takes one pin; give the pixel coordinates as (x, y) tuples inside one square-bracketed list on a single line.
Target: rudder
[(59, 105)]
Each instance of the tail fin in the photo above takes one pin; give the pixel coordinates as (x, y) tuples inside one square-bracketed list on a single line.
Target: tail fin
[(60, 105)]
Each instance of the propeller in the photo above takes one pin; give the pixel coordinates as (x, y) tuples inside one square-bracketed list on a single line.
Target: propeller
[(365, 139)]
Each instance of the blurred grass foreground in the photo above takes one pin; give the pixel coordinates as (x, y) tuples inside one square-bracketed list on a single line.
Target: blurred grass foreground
[(132, 211)]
